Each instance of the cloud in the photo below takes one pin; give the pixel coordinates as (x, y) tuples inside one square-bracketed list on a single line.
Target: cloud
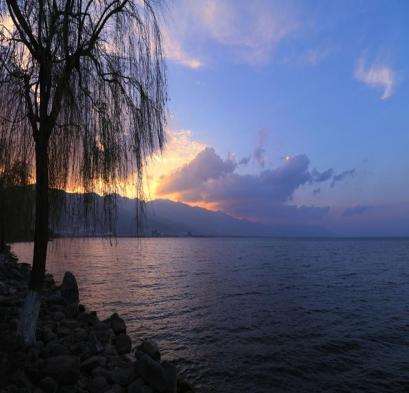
[(355, 210), (319, 177), (259, 153), (248, 31), (180, 149), (206, 165), (265, 197), (342, 176), (259, 156), (173, 50), (310, 57), (315, 56), (244, 160), (377, 75)]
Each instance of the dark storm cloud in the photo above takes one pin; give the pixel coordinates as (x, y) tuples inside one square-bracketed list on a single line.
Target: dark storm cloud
[(356, 210)]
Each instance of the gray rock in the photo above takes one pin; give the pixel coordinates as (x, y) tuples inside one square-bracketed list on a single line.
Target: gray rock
[(4, 289), (68, 389), (152, 373), (115, 389), (171, 375), (80, 334), (48, 384), (48, 335), (54, 348), (58, 316), (150, 348), (97, 384), (63, 331), (183, 385), (123, 344), (69, 289), (94, 344), (97, 371), (123, 375), (55, 299), (70, 323), (65, 369), (72, 310), (117, 323), (136, 386), (92, 362)]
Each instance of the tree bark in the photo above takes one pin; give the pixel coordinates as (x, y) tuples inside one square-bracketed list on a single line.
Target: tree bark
[(31, 306), (41, 216), (2, 239)]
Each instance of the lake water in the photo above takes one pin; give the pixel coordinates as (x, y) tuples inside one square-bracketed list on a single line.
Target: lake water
[(256, 315)]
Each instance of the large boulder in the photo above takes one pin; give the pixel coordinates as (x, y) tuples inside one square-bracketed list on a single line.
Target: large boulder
[(152, 373), (171, 375), (123, 375), (123, 344), (136, 386), (117, 323), (49, 385), (69, 289), (64, 369), (97, 384), (151, 348), (93, 362)]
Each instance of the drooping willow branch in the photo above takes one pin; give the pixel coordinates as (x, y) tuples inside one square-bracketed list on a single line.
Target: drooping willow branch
[(89, 78)]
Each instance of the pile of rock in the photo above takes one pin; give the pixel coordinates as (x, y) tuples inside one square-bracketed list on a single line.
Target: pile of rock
[(75, 351)]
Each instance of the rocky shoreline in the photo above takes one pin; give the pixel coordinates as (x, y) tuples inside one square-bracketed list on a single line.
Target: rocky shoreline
[(75, 352)]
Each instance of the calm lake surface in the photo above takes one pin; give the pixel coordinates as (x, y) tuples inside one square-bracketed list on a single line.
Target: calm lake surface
[(255, 315)]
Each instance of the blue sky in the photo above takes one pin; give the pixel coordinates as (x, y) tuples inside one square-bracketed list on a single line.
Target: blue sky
[(263, 84)]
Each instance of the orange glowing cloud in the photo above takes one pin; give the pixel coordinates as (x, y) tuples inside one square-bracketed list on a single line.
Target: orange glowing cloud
[(180, 149)]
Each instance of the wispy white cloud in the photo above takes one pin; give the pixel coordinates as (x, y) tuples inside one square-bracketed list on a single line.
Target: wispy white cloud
[(174, 51), (249, 31), (377, 75)]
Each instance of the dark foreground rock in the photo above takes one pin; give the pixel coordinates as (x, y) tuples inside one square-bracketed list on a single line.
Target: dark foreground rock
[(69, 289), (75, 352)]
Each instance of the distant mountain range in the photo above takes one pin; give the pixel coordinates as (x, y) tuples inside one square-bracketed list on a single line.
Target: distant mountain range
[(168, 218), (161, 218)]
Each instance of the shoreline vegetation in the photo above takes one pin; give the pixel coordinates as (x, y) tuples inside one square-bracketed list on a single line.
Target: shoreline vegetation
[(74, 352)]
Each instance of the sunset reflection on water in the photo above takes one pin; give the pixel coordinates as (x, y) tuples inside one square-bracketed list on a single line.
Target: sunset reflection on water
[(246, 314)]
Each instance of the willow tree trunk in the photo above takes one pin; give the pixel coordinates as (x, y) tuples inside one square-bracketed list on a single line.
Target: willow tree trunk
[(31, 307), (2, 239)]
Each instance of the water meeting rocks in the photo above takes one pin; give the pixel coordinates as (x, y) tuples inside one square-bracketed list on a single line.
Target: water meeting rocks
[(75, 352)]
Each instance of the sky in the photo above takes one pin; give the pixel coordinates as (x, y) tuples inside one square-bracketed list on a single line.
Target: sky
[(289, 112)]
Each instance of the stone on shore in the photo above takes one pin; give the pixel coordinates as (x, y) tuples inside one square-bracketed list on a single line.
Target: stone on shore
[(75, 352), (49, 385), (93, 362), (150, 348), (117, 324), (152, 373), (123, 344), (65, 369), (69, 289)]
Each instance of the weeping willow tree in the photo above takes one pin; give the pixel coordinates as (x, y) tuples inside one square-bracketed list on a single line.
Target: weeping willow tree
[(82, 100), (15, 203)]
